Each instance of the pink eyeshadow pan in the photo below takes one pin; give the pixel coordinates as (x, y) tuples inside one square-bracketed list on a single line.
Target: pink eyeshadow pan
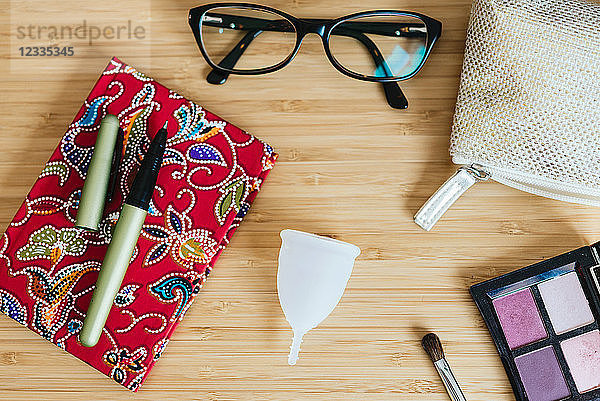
[(583, 357), (520, 319)]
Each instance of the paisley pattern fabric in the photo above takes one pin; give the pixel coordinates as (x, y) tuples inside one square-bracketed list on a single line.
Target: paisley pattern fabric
[(211, 174)]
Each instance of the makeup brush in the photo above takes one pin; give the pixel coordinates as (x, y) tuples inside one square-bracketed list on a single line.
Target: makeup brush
[(433, 346)]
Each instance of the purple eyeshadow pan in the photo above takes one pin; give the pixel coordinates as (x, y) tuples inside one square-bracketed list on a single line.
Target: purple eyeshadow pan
[(520, 319), (541, 375)]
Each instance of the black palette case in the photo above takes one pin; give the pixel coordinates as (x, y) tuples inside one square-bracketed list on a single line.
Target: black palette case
[(584, 263)]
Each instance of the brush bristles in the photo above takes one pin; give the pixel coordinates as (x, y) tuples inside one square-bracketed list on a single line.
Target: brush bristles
[(433, 346)]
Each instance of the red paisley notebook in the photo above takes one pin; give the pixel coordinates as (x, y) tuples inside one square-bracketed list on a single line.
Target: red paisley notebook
[(211, 173)]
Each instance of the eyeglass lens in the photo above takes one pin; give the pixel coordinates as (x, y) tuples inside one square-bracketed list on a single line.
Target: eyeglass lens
[(380, 46), (265, 39)]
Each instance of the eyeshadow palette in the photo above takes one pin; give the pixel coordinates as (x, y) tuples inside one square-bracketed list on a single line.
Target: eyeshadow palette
[(544, 320)]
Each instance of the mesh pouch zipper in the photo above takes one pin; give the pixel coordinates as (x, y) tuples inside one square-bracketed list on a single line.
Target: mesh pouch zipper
[(467, 176)]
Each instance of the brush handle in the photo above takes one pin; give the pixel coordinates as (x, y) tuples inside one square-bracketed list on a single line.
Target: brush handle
[(452, 387)]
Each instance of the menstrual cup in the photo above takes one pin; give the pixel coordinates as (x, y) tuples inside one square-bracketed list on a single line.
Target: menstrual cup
[(312, 276)]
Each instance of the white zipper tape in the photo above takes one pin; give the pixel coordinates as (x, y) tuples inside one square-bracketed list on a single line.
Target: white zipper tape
[(447, 194), (466, 176), (547, 188)]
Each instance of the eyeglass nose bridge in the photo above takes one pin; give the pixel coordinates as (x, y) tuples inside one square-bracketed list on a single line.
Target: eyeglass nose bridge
[(312, 25)]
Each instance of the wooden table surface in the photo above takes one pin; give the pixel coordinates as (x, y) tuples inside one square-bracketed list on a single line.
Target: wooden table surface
[(350, 167)]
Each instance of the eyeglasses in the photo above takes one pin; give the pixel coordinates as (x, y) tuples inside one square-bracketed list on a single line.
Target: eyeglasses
[(377, 46)]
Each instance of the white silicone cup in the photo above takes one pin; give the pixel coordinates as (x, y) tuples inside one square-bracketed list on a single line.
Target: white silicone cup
[(311, 279)]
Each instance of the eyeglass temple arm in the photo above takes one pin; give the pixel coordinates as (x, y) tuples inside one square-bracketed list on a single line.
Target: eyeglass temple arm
[(394, 95), (217, 77), (400, 29)]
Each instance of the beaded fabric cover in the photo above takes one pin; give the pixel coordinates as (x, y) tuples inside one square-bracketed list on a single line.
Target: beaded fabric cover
[(529, 98), (211, 174)]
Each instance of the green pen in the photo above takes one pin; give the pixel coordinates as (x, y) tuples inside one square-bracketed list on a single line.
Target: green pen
[(124, 239), (93, 194)]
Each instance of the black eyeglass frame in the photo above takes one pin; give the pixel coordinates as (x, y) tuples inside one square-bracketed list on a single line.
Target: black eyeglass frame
[(323, 28)]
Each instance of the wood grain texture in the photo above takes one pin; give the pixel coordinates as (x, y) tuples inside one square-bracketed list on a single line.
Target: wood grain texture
[(350, 167)]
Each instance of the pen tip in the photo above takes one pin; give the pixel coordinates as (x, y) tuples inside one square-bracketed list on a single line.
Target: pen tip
[(159, 141), (166, 124)]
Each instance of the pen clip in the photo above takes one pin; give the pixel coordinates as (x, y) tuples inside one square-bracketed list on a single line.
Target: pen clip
[(115, 166)]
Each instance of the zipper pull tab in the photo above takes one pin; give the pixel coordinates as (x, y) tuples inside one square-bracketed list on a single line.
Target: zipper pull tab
[(447, 194)]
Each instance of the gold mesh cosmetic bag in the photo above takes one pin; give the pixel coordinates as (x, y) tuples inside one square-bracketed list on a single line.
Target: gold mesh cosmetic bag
[(528, 108)]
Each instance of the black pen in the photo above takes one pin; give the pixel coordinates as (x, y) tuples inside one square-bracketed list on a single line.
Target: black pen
[(124, 239)]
